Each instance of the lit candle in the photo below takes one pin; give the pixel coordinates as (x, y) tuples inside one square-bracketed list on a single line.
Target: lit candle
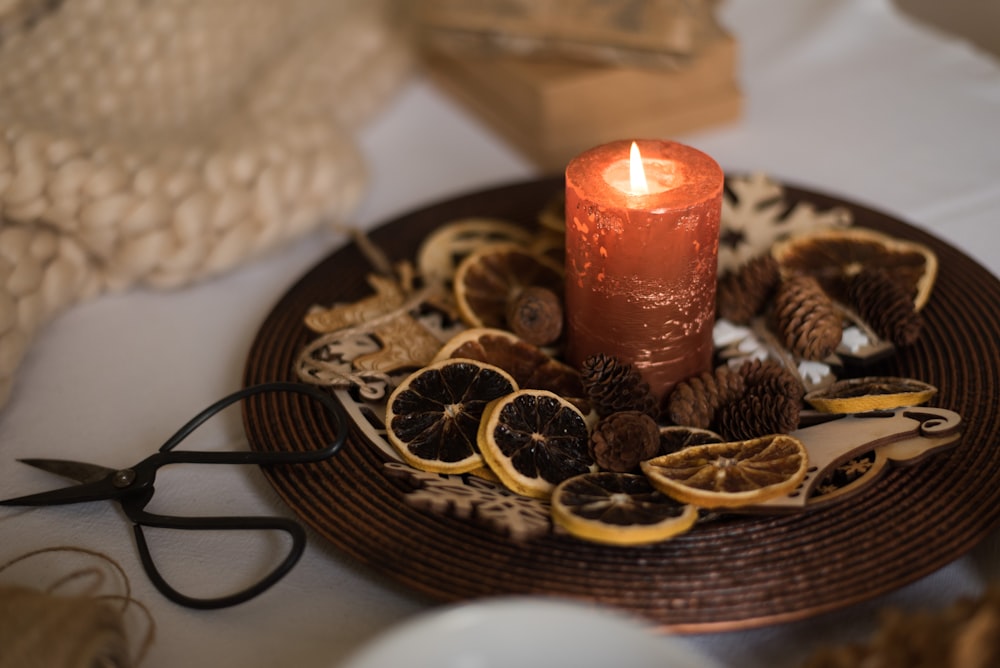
[(642, 240)]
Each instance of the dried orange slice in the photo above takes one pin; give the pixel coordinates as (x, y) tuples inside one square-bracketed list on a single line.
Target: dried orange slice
[(531, 367), (442, 250), (432, 418), (533, 440), (834, 255), (871, 393), (619, 509), (729, 475), (489, 279)]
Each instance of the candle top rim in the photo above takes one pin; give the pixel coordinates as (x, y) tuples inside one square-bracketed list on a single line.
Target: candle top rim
[(701, 177)]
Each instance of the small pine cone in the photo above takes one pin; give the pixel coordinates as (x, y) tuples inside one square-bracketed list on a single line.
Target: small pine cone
[(885, 306), (622, 440), (613, 386), (536, 315), (743, 293), (806, 318), (758, 414), (770, 377), (694, 402)]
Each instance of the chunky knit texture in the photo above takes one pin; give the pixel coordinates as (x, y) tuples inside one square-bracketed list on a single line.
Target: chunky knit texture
[(163, 142)]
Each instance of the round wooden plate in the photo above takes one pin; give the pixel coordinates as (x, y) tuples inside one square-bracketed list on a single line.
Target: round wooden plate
[(730, 574)]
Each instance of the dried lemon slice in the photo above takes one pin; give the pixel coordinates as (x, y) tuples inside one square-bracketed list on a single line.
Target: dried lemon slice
[(533, 440), (834, 255), (729, 475), (871, 393), (486, 281), (619, 509), (432, 418), (442, 250)]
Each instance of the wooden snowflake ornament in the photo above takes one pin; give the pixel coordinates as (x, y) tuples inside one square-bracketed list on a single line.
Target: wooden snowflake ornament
[(755, 215)]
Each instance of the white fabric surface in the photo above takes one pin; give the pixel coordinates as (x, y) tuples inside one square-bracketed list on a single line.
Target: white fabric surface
[(843, 96)]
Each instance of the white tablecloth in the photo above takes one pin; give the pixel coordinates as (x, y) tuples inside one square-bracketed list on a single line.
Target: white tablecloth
[(844, 96)]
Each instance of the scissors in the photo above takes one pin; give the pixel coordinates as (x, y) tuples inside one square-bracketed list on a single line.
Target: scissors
[(132, 488)]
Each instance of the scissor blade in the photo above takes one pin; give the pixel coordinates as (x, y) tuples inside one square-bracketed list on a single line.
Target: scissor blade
[(79, 471), (92, 491), (95, 485)]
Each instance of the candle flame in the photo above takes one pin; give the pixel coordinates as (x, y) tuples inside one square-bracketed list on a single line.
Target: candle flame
[(636, 173)]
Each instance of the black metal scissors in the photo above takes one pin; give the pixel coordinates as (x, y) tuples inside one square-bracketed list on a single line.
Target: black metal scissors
[(132, 488)]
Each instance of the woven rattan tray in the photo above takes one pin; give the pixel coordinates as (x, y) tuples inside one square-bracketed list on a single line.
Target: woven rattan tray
[(734, 573)]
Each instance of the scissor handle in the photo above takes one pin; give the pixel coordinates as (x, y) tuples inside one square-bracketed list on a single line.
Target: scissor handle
[(135, 503), (290, 527), (168, 455)]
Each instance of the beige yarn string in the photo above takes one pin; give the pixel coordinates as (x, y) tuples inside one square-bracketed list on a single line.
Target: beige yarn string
[(40, 628), (159, 143)]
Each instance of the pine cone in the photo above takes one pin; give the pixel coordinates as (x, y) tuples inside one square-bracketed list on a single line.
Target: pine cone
[(806, 319), (622, 440), (613, 387), (757, 414), (694, 402), (885, 305), (742, 294), (536, 315), (767, 377)]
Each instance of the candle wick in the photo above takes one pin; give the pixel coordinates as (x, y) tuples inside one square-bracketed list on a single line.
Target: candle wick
[(636, 172)]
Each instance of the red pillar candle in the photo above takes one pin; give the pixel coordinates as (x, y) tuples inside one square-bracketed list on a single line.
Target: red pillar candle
[(641, 263)]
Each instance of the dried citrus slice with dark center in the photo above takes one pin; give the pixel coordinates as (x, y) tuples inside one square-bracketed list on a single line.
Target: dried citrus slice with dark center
[(871, 393), (729, 475), (432, 418), (531, 367), (489, 279), (441, 251), (833, 256), (619, 509), (533, 440)]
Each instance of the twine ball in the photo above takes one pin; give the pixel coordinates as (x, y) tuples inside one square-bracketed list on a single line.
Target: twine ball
[(39, 630)]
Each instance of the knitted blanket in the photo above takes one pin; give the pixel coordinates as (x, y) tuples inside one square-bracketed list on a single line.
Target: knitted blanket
[(159, 142)]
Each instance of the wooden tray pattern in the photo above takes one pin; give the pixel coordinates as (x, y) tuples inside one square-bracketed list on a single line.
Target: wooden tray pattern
[(729, 574)]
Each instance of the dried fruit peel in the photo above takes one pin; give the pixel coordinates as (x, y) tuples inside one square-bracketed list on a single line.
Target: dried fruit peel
[(530, 365), (533, 440), (486, 280), (871, 393), (824, 253), (437, 255), (619, 509), (433, 416), (730, 475)]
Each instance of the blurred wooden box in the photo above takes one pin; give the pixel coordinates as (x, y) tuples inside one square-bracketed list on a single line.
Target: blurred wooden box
[(553, 110), (620, 32)]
